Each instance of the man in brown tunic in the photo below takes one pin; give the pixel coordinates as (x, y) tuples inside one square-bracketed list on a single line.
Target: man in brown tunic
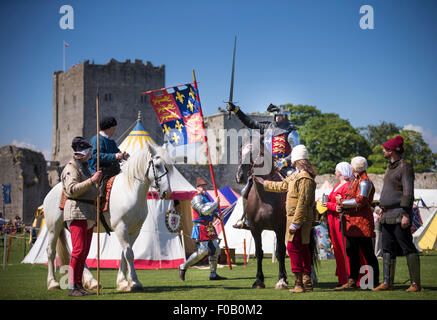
[(300, 188)]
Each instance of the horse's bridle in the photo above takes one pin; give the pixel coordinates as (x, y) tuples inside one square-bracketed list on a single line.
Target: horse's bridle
[(155, 177)]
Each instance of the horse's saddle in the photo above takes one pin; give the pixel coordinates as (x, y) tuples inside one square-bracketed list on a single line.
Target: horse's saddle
[(104, 201)]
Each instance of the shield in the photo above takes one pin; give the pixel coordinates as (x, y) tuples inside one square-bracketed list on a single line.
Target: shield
[(173, 221)]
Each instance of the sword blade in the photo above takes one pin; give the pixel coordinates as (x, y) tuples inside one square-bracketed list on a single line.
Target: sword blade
[(231, 91)]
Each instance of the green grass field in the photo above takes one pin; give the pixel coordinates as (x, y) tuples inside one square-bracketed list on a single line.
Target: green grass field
[(28, 282)]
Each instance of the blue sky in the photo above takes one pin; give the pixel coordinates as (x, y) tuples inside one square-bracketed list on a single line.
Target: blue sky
[(300, 52)]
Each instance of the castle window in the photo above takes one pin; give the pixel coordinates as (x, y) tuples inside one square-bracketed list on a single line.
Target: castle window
[(108, 97)]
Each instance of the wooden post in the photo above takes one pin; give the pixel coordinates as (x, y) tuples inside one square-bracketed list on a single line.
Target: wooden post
[(212, 171), (245, 262), (98, 195)]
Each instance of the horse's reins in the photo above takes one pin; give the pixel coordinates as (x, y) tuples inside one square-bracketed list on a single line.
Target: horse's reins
[(155, 177), (253, 165)]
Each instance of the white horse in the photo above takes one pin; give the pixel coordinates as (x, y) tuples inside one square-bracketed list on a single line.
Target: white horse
[(127, 213)]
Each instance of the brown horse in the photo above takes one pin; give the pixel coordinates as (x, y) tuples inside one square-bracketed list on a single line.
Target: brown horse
[(264, 210)]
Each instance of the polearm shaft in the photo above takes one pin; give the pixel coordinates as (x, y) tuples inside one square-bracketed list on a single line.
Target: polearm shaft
[(231, 90), (98, 194), (211, 170)]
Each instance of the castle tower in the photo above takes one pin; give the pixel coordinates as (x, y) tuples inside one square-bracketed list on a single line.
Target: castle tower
[(120, 86)]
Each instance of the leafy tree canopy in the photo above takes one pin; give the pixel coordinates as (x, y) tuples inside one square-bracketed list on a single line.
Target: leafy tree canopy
[(300, 114), (378, 134), (330, 140)]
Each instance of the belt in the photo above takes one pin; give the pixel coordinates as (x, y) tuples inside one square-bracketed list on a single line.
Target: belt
[(93, 202), (396, 206), (203, 223)]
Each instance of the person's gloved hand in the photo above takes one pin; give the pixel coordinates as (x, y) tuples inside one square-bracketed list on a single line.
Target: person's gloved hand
[(232, 107)]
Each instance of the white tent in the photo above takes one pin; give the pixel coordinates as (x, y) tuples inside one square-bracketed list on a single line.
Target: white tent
[(425, 237), (155, 247), (236, 237)]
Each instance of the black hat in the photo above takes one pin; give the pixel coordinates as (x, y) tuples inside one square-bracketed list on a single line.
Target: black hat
[(80, 144), (107, 123)]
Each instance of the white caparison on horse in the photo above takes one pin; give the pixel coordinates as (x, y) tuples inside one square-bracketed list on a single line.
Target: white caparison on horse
[(126, 215)]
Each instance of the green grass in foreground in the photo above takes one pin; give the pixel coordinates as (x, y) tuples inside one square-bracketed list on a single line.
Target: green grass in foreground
[(24, 281)]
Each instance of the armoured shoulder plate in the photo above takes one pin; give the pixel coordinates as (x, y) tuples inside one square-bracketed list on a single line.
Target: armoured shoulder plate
[(205, 209), (293, 139), (365, 188)]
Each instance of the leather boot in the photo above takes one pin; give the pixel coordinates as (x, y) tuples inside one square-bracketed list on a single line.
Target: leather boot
[(75, 292), (349, 285), (182, 271), (307, 282), (298, 283), (413, 263), (389, 265), (80, 287)]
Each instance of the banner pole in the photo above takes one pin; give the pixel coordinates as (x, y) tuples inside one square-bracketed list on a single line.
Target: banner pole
[(212, 171), (98, 195)]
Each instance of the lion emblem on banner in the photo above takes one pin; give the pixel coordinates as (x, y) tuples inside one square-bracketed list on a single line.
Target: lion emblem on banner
[(173, 221)]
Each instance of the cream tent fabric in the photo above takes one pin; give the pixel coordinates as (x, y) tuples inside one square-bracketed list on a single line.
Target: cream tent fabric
[(425, 237)]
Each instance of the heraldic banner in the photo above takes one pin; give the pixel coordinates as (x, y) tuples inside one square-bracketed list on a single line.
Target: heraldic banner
[(179, 114)]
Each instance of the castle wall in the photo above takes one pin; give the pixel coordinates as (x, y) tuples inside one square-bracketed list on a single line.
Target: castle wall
[(26, 171)]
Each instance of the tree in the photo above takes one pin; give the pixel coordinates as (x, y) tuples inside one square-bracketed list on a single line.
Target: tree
[(378, 134), (417, 153), (300, 114), (330, 140)]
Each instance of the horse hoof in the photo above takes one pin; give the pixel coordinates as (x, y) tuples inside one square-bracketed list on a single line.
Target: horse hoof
[(123, 286), (92, 285), (258, 285), (54, 286), (281, 285), (136, 288)]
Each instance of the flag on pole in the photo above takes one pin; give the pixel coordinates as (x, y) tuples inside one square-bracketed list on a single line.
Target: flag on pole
[(178, 114), (66, 44), (283, 109), (6, 188)]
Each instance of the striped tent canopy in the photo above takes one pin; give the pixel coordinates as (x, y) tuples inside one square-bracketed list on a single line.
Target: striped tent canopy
[(137, 139), (227, 196)]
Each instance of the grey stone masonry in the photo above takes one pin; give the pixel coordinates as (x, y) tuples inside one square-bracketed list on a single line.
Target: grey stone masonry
[(120, 86), (25, 170)]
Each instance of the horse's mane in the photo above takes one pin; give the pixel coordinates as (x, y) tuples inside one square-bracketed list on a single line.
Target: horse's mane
[(136, 166)]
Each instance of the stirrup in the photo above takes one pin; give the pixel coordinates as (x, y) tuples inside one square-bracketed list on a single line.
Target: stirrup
[(241, 224)]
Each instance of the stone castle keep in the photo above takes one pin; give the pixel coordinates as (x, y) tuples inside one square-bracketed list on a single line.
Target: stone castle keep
[(120, 85)]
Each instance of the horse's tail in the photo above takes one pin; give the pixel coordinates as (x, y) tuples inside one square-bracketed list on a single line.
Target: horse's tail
[(62, 249), (313, 249)]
